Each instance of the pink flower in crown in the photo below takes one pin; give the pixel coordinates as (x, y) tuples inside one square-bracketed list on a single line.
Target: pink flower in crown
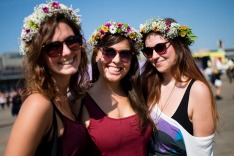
[(45, 9), (27, 31), (168, 24), (120, 25), (102, 33), (55, 5), (108, 25), (129, 29)]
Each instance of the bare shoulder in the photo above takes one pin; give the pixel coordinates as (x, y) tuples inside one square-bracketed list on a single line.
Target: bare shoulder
[(37, 102), (200, 90), (200, 94)]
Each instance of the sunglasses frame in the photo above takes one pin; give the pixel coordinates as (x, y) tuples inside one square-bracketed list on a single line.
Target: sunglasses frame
[(149, 54), (55, 49), (122, 54)]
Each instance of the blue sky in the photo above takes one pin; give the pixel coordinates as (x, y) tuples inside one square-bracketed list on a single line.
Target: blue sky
[(210, 20)]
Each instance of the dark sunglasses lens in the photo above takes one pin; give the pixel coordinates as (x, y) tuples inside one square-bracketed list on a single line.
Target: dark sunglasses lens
[(108, 53), (54, 49), (160, 48), (74, 42), (148, 52), (125, 55)]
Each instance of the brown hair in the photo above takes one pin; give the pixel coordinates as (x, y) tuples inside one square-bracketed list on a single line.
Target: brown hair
[(36, 73)]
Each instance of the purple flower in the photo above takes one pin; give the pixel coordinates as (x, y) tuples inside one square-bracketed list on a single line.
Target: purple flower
[(168, 23), (120, 25), (55, 5), (108, 25), (27, 31), (129, 29), (167, 30), (45, 9), (102, 32)]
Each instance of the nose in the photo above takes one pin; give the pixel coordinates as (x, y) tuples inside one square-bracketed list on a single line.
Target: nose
[(117, 58), (155, 54), (66, 50)]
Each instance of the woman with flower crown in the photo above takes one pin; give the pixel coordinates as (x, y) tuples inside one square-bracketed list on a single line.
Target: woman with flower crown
[(114, 110), (179, 97), (55, 65)]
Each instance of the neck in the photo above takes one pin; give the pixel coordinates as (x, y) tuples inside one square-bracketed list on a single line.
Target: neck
[(111, 87), (62, 83)]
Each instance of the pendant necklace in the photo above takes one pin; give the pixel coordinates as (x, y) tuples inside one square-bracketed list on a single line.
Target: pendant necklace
[(165, 105)]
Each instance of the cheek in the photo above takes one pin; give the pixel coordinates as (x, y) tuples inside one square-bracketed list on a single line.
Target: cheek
[(50, 61)]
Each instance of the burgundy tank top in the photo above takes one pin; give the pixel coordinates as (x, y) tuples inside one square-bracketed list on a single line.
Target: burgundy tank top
[(74, 140), (115, 137)]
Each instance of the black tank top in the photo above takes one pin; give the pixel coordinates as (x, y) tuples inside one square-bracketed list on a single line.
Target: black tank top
[(181, 114)]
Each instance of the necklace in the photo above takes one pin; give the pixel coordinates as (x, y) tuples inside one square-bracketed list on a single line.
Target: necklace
[(165, 104)]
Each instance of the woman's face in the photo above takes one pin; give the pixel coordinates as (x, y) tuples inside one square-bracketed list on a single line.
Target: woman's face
[(114, 69), (68, 62), (162, 62)]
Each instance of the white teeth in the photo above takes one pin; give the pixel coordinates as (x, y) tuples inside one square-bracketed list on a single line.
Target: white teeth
[(114, 69), (67, 62)]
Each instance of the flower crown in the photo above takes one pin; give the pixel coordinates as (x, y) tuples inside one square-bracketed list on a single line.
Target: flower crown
[(112, 27), (42, 13), (168, 29)]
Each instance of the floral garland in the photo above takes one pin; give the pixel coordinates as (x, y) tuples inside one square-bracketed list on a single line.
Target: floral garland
[(168, 29), (40, 14), (112, 27)]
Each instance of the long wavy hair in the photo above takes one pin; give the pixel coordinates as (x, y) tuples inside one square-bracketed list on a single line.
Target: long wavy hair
[(37, 76), (130, 82), (184, 66)]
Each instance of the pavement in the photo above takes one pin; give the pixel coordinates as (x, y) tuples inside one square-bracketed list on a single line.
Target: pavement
[(223, 146)]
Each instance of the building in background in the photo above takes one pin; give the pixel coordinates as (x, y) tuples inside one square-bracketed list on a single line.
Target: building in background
[(10, 71)]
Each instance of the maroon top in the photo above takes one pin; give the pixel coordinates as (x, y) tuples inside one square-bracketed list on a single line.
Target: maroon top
[(115, 137), (74, 140)]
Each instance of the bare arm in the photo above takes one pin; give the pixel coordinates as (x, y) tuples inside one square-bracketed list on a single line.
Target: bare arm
[(32, 123), (200, 110)]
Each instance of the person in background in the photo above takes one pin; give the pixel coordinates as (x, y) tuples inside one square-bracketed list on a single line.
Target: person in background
[(2, 100), (178, 95), (8, 99), (216, 82), (114, 110), (16, 102), (55, 65)]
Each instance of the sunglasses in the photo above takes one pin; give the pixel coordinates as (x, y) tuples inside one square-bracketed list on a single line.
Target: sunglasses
[(110, 53), (55, 49), (160, 48)]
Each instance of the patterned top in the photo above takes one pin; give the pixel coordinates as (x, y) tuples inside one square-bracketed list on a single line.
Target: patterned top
[(174, 136)]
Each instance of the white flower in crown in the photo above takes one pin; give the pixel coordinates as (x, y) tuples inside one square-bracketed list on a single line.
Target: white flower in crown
[(41, 13), (168, 29), (112, 27)]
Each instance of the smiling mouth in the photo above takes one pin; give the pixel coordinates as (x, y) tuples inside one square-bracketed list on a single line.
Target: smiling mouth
[(115, 69), (67, 62)]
